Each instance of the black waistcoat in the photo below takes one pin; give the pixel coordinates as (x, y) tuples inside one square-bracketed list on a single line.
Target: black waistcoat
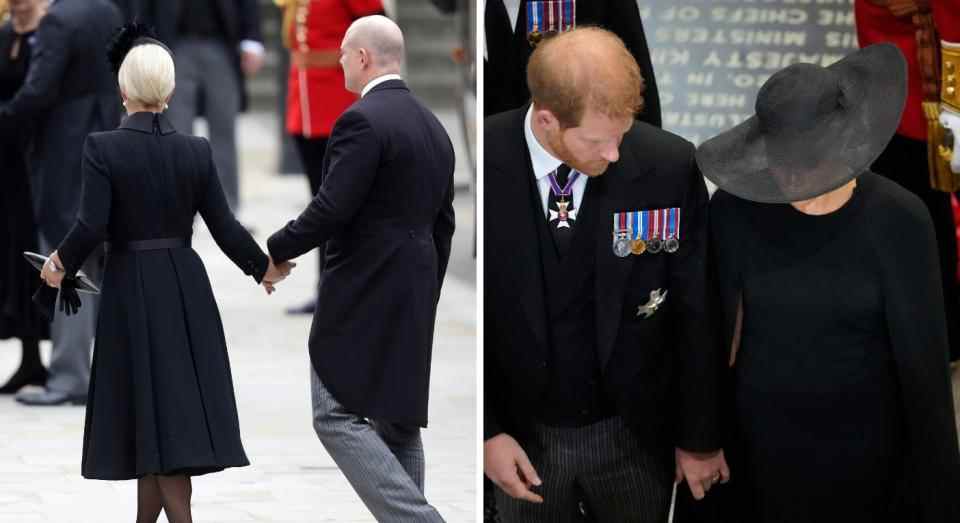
[(574, 394)]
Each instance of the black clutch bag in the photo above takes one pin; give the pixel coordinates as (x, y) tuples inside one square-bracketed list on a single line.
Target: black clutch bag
[(46, 297)]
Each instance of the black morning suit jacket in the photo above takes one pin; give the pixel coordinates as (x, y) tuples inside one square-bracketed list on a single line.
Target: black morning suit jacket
[(505, 76), (385, 211), (661, 373), (69, 93), (240, 19)]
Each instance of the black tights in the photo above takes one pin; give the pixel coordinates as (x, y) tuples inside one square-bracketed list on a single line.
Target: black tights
[(169, 493), (31, 353)]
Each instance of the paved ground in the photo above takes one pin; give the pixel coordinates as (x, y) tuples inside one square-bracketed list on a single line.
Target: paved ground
[(291, 478)]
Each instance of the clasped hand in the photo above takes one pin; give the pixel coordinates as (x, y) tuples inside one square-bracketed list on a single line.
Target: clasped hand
[(701, 470), (507, 465), (276, 272)]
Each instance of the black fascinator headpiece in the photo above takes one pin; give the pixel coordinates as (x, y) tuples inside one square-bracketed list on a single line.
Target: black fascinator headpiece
[(128, 36)]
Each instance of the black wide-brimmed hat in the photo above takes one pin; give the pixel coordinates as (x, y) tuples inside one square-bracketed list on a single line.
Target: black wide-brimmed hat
[(815, 128)]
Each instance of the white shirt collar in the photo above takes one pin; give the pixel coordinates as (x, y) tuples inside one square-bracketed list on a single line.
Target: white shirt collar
[(377, 81), (513, 11), (543, 162)]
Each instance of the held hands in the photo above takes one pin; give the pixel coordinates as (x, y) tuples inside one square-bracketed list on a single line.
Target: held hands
[(507, 466), (275, 274), (52, 273), (702, 470)]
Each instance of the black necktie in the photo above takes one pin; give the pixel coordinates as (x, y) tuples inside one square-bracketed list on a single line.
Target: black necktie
[(561, 211)]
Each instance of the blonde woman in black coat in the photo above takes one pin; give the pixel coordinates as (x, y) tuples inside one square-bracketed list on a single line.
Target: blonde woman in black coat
[(161, 404)]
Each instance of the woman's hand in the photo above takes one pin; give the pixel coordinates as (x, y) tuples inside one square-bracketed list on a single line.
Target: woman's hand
[(52, 273), (275, 274)]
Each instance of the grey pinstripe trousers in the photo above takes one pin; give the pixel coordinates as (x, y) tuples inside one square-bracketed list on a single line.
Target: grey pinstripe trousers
[(594, 473), (382, 461)]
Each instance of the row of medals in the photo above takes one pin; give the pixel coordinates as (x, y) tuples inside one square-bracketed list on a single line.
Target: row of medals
[(623, 246)]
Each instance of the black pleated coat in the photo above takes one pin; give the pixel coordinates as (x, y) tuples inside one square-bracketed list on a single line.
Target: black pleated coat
[(161, 397)]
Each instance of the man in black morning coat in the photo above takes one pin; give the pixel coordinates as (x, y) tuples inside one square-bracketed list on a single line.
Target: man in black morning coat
[(69, 93), (385, 211), (600, 360)]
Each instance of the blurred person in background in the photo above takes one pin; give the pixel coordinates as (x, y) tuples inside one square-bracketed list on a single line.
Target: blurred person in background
[(19, 318), (68, 93), (216, 45), (316, 96), (513, 28)]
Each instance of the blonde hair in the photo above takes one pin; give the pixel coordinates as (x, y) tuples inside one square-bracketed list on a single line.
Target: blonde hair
[(147, 75), (586, 68)]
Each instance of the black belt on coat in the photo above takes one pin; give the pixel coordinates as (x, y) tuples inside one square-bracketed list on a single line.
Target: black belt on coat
[(149, 245)]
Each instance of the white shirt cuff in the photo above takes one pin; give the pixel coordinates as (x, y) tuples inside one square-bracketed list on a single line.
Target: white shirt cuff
[(252, 46)]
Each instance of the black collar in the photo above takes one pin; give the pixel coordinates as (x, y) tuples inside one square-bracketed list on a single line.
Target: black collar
[(146, 122)]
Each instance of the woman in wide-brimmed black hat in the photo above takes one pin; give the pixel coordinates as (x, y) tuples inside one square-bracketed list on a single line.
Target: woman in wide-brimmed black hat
[(839, 401)]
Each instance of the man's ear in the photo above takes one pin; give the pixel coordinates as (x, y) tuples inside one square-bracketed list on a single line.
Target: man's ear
[(545, 119), (364, 57)]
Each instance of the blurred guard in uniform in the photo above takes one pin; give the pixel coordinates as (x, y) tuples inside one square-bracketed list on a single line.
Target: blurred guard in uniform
[(914, 157), (316, 96)]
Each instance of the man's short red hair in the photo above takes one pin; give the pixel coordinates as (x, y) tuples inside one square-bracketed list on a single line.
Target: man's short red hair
[(585, 68)]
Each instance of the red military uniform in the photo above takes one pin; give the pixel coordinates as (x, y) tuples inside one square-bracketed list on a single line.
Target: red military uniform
[(906, 159), (316, 95), (875, 24)]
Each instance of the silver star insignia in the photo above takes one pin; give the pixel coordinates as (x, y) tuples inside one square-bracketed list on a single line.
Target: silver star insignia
[(657, 298)]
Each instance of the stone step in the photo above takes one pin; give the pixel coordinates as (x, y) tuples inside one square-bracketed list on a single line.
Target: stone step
[(431, 37)]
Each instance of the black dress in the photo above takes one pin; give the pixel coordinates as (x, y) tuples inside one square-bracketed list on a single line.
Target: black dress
[(161, 397), (840, 406), (18, 280)]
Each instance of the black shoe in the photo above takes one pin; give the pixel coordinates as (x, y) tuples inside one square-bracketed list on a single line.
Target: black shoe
[(24, 377), (307, 308), (50, 398)]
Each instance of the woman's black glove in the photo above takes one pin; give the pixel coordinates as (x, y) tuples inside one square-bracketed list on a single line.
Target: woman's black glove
[(69, 299), (46, 298)]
